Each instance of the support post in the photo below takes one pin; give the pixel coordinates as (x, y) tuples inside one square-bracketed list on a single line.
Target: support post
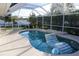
[(18, 16), (63, 18), (42, 22), (12, 23), (51, 22)]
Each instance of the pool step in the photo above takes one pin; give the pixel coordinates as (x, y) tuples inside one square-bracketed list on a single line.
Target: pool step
[(51, 39), (63, 48)]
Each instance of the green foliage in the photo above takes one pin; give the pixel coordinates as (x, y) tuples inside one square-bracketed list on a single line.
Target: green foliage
[(8, 19), (32, 19)]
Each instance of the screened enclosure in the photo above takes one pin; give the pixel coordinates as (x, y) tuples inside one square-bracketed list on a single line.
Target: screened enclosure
[(55, 16), (71, 23)]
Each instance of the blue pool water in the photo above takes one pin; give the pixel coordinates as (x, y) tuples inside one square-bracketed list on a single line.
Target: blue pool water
[(38, 41)]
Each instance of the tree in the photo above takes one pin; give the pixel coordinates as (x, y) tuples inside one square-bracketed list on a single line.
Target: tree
[(14, 18), (59, 8), (32, 19), (56, 8), (69, 8), (7, 19)]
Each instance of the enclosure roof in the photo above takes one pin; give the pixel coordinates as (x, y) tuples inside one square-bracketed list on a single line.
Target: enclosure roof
[(8, 8), (25, 6)]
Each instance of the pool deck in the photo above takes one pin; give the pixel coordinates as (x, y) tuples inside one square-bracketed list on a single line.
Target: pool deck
[(13, 44)]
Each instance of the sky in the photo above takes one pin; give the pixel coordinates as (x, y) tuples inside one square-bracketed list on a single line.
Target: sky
[(26, 12), (76, 5)]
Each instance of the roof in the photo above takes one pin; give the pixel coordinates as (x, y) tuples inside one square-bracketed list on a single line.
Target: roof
[(8, 8), (25, 6)]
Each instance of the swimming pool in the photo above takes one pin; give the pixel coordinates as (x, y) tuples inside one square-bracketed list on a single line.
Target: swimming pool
[(38, 41)]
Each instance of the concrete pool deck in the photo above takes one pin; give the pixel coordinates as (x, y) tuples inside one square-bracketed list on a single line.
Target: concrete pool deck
[(13, 44)]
